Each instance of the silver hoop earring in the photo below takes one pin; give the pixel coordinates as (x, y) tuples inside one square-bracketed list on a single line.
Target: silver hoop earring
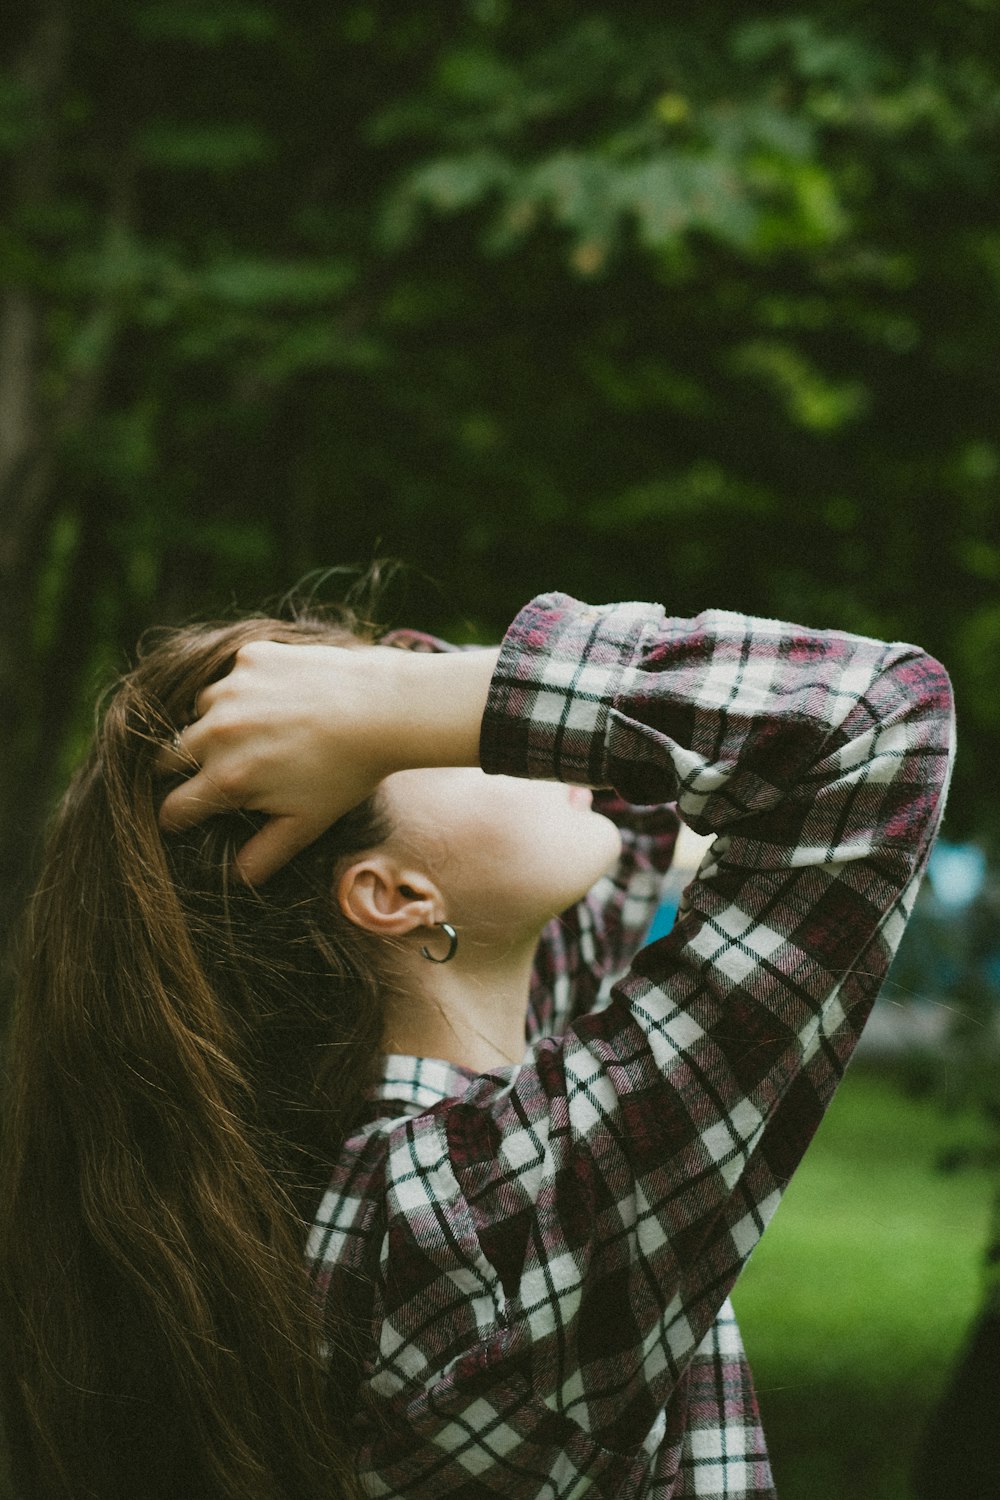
[(452, 937)]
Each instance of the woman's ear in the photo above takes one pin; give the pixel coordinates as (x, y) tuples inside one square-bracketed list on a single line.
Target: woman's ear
[(378, 895)]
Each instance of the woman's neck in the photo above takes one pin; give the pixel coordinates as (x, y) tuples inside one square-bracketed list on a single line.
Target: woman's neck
[(471, 1011)]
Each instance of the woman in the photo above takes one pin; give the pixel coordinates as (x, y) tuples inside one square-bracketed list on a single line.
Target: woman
[(297, 1022)]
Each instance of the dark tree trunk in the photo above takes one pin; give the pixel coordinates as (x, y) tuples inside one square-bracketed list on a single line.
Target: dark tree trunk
[(960, 1456), (26, 465), (39, 681)]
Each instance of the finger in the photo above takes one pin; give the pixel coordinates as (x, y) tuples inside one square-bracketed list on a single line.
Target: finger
[(184, 753), (174, 758), (192, 802), (280, 839)]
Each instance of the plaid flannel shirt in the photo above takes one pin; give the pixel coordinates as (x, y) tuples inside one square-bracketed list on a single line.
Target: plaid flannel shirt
[(539, 1259)]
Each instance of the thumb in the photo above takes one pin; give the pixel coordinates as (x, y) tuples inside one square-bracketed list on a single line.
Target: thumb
[(280, 839)]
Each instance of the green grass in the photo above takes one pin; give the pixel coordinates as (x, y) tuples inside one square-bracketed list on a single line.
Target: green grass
[(861, 1293)]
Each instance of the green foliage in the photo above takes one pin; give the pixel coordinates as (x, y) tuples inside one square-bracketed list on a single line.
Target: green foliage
[(19, 120), (204, 24), (978, 640), (488, 294), (213, 148)]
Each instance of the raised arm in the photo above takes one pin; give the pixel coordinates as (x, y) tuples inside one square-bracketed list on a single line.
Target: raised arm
[(592, 1211)]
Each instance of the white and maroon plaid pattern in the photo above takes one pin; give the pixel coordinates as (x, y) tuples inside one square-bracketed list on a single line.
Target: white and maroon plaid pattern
[(539, 1259)]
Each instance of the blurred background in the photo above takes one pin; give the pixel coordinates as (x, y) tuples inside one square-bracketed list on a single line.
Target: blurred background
[(697, 305)]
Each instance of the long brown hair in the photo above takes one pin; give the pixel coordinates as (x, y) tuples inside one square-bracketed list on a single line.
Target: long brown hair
[(184, 1057)]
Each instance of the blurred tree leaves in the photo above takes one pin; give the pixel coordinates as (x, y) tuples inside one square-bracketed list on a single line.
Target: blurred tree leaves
[(698, 308)]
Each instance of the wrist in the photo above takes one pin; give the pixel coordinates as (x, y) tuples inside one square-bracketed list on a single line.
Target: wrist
[(428, 708)]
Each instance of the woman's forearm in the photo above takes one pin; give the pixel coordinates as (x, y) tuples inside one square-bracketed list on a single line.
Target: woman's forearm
[(427, 709)]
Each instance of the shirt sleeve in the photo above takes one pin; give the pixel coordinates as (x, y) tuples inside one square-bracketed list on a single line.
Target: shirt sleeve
[(574, 1226)]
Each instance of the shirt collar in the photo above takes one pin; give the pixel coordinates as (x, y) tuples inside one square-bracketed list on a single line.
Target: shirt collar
[(410, 1085)]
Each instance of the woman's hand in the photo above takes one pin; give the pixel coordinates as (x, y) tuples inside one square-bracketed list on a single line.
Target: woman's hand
[(283, 733), (306, 732)]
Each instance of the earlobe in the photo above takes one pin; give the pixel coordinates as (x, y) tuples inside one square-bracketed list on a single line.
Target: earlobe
[(382, 899)]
